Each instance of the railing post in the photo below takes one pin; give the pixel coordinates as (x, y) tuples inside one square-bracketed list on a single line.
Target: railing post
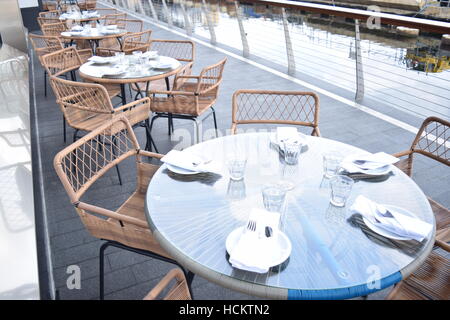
[(152, 9), (245, 48), (168, 16), (359, 65), (287, 37), (187, 22), (210, 23), (141, 7)]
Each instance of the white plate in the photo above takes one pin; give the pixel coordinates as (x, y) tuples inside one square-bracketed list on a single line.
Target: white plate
[(279, 255), (163, 66), (180, 170), (384, 232), (373, 172)]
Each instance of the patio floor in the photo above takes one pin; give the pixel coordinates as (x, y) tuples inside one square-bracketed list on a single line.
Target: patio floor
[(131, 276)]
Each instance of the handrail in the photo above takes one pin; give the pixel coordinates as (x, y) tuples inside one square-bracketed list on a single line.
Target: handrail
[(362, 15)]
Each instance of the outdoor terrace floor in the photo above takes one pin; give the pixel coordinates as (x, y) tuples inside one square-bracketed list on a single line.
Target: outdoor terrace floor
[(131, 276)]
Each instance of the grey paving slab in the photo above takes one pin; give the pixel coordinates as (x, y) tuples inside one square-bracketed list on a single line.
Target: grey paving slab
[(129, 276)]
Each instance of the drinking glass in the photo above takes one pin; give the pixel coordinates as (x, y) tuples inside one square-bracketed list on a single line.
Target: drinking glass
[(291, 151), (331, 163), (236, 167), (274, 196), (341, 187)]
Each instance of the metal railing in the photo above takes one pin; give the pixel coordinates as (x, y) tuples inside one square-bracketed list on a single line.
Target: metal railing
[(379, 59)]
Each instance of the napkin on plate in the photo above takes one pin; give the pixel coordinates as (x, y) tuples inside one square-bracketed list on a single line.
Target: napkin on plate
[(187, 161), (392, 221), (364, 163), (252, 251)]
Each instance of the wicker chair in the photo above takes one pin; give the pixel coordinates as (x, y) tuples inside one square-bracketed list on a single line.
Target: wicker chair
[(47, 20), (53, 29), (81, 164), (275, 107), (431, 280), (110, 19), (43, 45), (87, 4), (131, 25), (138, 41), (190, 99), (178, 291), (182, 50), (69, 60), (87, 105), (50, 14)]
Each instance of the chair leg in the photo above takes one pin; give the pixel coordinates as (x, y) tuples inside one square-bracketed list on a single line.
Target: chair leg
[(75, 135), (215, 121), (189, 275), (45, 83), (117, 166), (102, 269), (189, 279), (150, 141), (196, 130), (170, 123), (64, 129)]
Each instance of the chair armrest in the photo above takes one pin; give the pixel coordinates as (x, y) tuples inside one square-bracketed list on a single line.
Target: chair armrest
[(172, 274), (443, 245), (403, 153), (104, 50), (175, 93), (133, 104), (150, 154), (113, 215)]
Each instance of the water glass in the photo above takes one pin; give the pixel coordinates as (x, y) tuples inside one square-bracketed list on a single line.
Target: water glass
[(331, 163), (120, 56), (291, 151), (274, 196), (341, 187), (236, 167)]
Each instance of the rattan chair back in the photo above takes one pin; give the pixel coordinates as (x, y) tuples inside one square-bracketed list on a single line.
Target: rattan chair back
[(80, 100), (47, 20), (182, 50), (110, 19), (44, 44), (85, 161), (62, 61), (275, 107), (50, 14), (136, 41), (53, 29), (131, 25)]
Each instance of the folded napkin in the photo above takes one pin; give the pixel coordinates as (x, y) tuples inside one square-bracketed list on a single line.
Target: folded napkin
[(150, 54), (366, 162), (390, 220), (93, 71), (286, 133), (188, 161), (252, 251)]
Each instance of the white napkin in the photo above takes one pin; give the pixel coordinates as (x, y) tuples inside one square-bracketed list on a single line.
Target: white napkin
[(188, 161), (252, 251), (93, 71), (150, 54), (398, 223), (286, 133), (372, 162)]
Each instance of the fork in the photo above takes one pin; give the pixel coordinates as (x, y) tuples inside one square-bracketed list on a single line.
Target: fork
[(251, 225)]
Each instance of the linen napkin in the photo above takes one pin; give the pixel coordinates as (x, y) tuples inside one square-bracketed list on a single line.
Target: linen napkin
[(150, 54), (188, 161), (253, 250), (366, 162), (286, 133), (391, 220)]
